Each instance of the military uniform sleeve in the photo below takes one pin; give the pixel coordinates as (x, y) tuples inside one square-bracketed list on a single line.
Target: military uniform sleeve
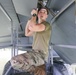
[(47, 25)]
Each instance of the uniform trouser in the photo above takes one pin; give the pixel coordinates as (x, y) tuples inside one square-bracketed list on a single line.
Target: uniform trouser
[(24, 62)]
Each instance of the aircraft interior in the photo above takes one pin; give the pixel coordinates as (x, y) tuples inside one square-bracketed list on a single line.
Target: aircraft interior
[(14, 15)]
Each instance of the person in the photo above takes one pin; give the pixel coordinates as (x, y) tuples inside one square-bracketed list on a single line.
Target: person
[(40, 29)]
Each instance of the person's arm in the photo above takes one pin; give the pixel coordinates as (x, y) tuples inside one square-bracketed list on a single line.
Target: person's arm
[(27, 31), (33, 26), (36, 27)]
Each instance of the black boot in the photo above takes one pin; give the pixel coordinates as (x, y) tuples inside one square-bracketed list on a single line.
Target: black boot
[(7, 69)]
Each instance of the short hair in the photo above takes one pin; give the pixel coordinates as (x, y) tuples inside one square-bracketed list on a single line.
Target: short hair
[(44, 8)]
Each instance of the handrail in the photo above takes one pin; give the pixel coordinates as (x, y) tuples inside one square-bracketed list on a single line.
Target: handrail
[(65, 46), (5, 36), (12, 37), (75, 11), (4, 11), (10, 19)]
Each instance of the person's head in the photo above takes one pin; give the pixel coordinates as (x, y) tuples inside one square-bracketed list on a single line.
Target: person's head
[(43, 13)]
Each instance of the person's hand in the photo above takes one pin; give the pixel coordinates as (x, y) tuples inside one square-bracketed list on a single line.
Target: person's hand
[(34, 11)]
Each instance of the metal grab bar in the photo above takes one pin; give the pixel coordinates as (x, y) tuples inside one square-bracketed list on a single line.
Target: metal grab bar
[(65, 46), (3, 10), (75, 11)]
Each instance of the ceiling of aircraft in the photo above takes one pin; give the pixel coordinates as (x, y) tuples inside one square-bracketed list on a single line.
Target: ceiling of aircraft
[(62, 17)]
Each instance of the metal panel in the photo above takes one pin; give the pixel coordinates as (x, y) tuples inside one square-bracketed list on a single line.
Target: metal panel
[(57, 4), (24, 7), (65, 33), (66, 22), (5, 24)]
